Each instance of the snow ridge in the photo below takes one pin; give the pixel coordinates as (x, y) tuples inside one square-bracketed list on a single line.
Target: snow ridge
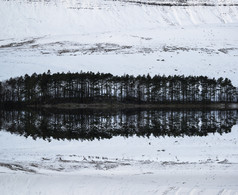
[(38, 18)]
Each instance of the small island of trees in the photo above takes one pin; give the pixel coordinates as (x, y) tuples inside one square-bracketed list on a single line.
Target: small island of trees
[(89, 87)]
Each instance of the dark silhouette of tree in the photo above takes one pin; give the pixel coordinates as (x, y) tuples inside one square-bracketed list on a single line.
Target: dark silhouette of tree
[(88, 87)]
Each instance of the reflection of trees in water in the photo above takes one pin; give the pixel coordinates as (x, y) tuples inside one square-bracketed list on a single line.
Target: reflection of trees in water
[(94, 124)]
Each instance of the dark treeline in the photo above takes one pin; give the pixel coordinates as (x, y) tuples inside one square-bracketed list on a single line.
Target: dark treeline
[(90, 87), (94, 124)]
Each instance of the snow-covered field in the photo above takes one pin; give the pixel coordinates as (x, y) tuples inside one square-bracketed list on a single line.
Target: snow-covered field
[(119, 37), (165, 165)]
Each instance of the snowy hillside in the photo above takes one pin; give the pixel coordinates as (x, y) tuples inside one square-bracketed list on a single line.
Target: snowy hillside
[(118, 37), (39, 18)]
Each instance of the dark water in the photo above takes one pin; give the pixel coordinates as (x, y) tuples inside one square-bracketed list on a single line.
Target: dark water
[(101, 124)]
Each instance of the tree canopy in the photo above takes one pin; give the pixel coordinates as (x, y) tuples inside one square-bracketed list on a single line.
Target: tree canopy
[(88, 87)]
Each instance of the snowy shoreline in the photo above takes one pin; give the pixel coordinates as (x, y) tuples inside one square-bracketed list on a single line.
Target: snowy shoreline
[(182, 165)]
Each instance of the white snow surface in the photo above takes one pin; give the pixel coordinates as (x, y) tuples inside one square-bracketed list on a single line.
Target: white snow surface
[(135, 165), (119, 37)]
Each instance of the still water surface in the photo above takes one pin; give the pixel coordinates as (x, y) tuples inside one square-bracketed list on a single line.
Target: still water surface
[(89, 124)]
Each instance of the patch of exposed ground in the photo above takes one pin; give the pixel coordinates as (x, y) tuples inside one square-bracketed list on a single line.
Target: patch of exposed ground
[(17, 167), (69, 48), (62, 48), (74, 48), (18, 44), (69, 163), (176, 3)]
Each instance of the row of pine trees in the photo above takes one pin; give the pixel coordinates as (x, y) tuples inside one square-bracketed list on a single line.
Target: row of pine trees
[(88, 87)]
